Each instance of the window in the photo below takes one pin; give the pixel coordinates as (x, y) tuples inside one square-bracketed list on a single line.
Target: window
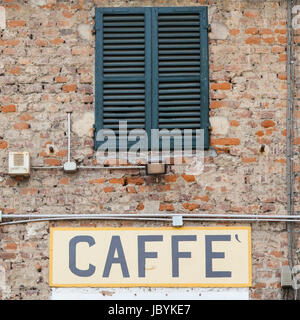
[(151, 69)]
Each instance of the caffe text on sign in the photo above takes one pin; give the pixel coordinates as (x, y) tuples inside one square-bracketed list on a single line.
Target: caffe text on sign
[(160, 257)]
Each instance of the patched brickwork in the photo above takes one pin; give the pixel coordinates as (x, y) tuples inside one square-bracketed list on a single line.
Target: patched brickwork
[(47, 66)]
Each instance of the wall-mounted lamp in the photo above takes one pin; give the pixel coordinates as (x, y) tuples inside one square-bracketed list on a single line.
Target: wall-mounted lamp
[(156, 168)]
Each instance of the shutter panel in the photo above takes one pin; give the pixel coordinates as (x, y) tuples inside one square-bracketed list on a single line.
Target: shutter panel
[(123, 69), (180, 69)]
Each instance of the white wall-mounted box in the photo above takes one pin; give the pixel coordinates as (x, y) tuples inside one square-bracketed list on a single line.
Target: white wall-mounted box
[(19, 163)]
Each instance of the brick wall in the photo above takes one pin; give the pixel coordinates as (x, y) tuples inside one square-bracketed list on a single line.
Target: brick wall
[(47, 67)]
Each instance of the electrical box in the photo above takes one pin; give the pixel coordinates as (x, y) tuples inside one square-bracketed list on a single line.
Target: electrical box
[(19, 163), (286, 277), (70, 166)]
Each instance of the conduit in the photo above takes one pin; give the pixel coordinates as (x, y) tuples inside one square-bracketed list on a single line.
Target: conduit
[(91, 167), (290, 130), (149, 217)]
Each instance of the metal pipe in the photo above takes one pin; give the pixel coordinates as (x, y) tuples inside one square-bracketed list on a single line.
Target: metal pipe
[(109, 168), (155, 215), (69, 136), (45, 168), (289, 129), (145, 219), (90, 167), (148, 217)]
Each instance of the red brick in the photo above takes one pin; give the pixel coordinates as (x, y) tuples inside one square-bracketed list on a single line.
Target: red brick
[(26, 117), (217, 104), (41, 42), (162, 188), (171, 178), (65, 180), (135, 180), (108, 189), (9, 108), (57, 41), (7, 255), (16, 23), (3, 144), (52, 162), (234, 123), (269, 40), (61, 79), (202, 198), (9, 43), (190, 206), (14, 70), (188, 177), (21, 126), (117, 180), (10, 246), (97, 181), (67, 14), (253, 40), (277, 254), (140, 206), (234, 32), (130, 189), (166, 207), (251, 31), (69, 88), (265, 31), (220, 86), (251, 13), (248, 160), (268, 123), (225, 141)]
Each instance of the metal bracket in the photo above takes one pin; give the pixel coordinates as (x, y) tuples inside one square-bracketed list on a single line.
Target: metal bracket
[(177, 221)]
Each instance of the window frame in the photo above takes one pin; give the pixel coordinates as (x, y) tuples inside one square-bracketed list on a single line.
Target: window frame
[(151, 66)]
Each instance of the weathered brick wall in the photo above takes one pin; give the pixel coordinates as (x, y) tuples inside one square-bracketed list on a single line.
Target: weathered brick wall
[(47, 67)]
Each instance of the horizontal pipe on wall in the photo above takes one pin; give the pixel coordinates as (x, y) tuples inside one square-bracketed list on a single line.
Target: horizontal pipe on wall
[(89, 167), (148, 217)]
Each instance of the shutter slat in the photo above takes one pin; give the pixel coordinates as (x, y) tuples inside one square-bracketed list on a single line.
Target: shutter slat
[(161, 91), (125, 41), (192, 63), (121, 109), (179, 126), (178, 114), (169, 35), (121, 30), (124, 53), (123, 24), (140, 120), (178, 97), (178, 41), (183, 103), (124, 115), (127, 35), (122, 47), (178, 23), (180, 109), (177, 52), (120, 17), (119, 96)]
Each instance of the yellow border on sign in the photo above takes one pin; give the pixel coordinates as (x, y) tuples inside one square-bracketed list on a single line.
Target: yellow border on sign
[(158, 285)]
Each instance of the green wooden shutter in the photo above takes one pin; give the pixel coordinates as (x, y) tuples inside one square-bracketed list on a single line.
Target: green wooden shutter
[(180, 69), (152, 69), (123, 69)]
